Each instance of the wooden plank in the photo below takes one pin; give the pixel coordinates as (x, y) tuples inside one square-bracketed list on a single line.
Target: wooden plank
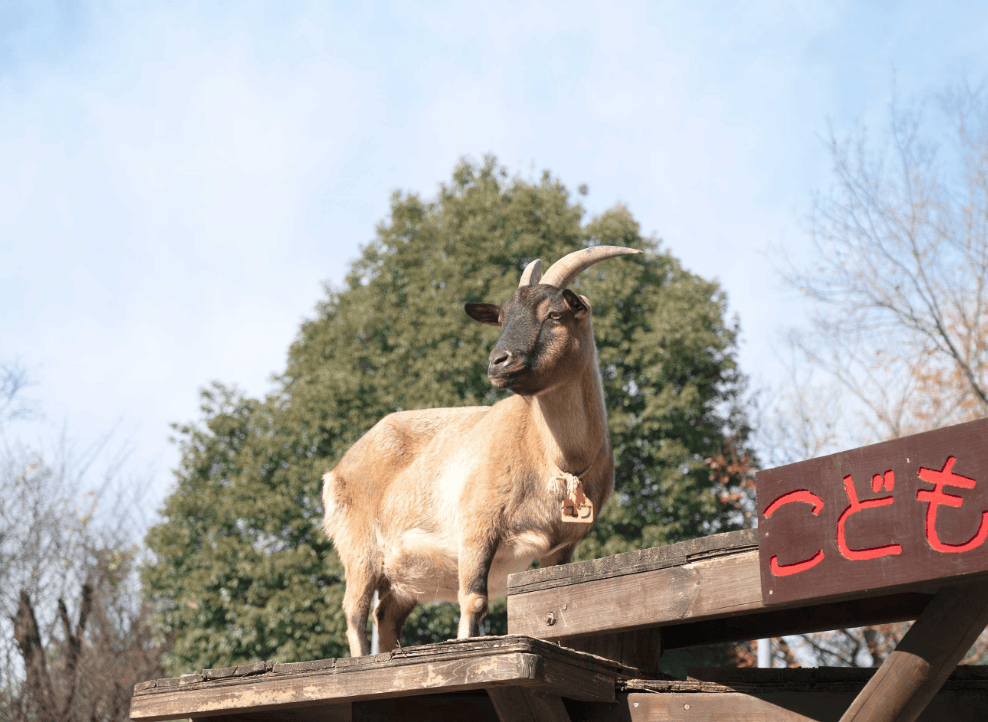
[(903, 511), (640, 649), (707, 588), (719, 586), (955, 706), (799, 620), (632, 563), (459, 665), (342, 712), (273, 693), (911, 675), (472, 706), (774, 695), (445, 651), (521, 704)]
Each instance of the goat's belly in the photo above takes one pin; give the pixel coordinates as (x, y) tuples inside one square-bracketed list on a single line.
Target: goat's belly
[(422, 565), (426, 567)]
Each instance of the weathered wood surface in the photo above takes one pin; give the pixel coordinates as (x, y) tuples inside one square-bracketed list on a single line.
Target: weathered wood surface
[(738, 695), (640, 649), (800, 620), (773, 695), (911, 675), (636, 562), (685, 589), (468, 664), (521, 704)]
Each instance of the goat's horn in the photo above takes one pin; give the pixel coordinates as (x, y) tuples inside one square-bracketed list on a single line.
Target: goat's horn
[(531, 275), (562, 272)]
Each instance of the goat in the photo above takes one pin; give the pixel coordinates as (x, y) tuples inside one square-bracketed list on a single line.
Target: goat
[(443, 504)]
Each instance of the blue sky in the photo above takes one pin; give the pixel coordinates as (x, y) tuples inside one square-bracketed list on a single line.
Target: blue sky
[(177, 181)]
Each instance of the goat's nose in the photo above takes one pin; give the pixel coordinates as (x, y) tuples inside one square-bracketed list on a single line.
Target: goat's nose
[(499, 358)]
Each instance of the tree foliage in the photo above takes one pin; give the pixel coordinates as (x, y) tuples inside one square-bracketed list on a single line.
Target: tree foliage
[(243, 572)]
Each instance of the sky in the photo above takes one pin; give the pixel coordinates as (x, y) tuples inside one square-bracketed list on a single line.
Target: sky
[(178, 181)]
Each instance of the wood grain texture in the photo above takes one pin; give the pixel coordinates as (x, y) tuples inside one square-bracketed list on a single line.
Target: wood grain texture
[(640, 649), (520, 704), (729, 706), (342, 712), (636, 562), (688, 599), (774, 695), (461, 706), (458, 665), (911, 675), (707, 588), (799, 620)]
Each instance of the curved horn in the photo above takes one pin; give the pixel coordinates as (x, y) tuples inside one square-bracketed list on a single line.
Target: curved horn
[(562, 272), (531, 275)]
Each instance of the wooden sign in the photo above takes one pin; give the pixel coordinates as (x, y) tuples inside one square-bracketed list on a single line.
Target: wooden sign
[(899, 512)]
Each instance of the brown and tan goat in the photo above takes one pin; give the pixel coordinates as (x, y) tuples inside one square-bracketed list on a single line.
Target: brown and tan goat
[(443, 504)]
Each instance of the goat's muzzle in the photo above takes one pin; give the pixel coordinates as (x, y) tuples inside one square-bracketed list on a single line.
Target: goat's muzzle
[(504, 367)]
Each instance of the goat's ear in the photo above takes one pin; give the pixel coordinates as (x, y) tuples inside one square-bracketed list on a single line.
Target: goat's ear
[(489, 313), (579, 304)]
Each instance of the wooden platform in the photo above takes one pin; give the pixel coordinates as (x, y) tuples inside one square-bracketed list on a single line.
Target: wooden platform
[(516, 678), (627, 609), (702, 591), (514, 672)]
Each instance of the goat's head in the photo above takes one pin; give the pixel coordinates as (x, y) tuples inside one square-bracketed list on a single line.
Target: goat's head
[(547, 336)]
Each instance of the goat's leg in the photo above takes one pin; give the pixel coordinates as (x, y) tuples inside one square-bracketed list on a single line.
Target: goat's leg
[(360, 585), (392, 611), (476, 556)]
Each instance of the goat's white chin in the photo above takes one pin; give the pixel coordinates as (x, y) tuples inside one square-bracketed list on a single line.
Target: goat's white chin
[(503, 382)]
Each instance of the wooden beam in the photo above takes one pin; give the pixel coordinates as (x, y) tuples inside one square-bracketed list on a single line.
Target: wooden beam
[(342, 712), (640, 649), (801, 620), (959, 706), (911, 675), (520, 704), (703, 591), (707, 588), (459, 665), (774, 695), (470, 706), (272, 693)]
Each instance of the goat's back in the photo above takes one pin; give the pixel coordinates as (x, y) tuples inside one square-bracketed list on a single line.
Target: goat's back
[(364, 480)]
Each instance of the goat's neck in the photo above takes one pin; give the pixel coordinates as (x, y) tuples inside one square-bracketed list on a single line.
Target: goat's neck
[(572, 421)]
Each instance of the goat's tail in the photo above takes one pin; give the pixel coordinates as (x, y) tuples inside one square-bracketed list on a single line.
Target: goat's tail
[(332, 513)]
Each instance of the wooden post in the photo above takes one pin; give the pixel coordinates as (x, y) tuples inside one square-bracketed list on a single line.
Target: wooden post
[(640, 648), (913, 673), (519, 704)]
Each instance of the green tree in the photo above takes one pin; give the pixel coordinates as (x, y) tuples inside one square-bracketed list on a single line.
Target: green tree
[(242, 571)]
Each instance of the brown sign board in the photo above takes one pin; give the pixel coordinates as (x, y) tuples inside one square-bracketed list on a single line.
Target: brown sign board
[(903, 511)]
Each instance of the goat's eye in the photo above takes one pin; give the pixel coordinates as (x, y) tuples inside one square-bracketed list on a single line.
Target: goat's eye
[(555, 315)]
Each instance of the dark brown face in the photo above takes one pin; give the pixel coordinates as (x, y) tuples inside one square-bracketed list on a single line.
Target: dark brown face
[(542, 332)]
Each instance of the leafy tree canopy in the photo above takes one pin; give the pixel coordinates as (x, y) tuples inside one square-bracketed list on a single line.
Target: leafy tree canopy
[(242, 571)]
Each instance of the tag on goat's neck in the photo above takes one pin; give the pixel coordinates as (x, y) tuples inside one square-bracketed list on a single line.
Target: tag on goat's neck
[(577, 508)]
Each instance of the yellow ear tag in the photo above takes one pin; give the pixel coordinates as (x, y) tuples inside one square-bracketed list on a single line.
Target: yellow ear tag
[(577, 508)]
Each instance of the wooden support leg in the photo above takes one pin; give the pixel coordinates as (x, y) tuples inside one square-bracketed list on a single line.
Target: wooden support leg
[(520, 704), (913, 673), (640, 649)]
